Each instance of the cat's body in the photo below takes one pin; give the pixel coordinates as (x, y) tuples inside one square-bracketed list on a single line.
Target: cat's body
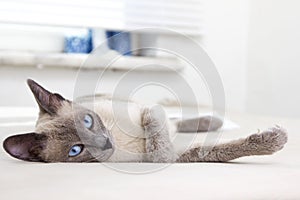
[(115, 130), (130, 139), (127, 128)]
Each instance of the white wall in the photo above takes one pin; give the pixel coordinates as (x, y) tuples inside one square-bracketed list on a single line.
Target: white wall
[(255, 45), (225, 40), (273, 58)]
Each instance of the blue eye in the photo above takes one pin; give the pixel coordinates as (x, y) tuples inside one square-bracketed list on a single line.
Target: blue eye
[(88, 121), (75, 150)]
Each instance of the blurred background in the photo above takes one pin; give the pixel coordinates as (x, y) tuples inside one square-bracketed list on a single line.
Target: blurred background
[(253, 43)]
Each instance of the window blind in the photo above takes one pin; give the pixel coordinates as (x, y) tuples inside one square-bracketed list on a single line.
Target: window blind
[(183, 16)]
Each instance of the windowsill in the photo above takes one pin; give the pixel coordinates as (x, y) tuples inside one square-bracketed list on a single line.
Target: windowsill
[(76, 61)]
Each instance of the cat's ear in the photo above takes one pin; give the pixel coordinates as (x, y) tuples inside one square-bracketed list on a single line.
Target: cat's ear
[(48, 102), (26, 147)]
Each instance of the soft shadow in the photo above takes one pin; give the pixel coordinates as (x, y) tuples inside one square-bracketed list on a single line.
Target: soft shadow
[(245, 163)]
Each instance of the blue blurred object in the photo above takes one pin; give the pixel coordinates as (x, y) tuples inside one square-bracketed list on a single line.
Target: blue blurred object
[(121, 42), (79, 43)]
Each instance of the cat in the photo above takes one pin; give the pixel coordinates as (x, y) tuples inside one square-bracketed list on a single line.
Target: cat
[(68, 132)]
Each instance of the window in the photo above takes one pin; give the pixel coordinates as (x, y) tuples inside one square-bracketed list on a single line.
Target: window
[(183, 16)]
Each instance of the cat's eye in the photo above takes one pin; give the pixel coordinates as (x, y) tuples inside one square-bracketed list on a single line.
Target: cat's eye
[(75, 150), (88, 121)]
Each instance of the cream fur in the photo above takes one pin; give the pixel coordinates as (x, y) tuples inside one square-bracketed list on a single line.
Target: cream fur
[(128, 133)]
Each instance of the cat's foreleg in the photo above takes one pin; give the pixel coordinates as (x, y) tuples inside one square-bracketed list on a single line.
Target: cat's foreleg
[(265, 143), (159, 148)]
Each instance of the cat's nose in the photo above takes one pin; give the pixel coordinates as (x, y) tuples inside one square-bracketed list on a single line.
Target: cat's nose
[(108, 145)]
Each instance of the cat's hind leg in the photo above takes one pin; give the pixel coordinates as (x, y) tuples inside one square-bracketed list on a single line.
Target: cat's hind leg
[(265, 143), (200, 124), (159, 148)]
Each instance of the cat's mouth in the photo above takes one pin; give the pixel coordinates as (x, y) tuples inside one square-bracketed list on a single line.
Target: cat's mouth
[(107, 151), (101, 158)]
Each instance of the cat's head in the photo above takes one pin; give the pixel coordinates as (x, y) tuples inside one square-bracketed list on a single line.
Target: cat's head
[(65, 132)]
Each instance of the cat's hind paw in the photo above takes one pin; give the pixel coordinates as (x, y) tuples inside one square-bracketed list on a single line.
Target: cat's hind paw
[(268, 141)]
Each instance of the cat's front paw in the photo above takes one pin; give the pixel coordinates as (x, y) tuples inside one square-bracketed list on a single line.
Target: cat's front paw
[(146, 117), (154, 116), (268, 141)]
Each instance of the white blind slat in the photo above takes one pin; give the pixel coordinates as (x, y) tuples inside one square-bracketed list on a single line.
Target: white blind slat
[(180, 15)]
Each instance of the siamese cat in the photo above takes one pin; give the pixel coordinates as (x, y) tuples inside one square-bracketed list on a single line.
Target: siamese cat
[(68, 132)]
